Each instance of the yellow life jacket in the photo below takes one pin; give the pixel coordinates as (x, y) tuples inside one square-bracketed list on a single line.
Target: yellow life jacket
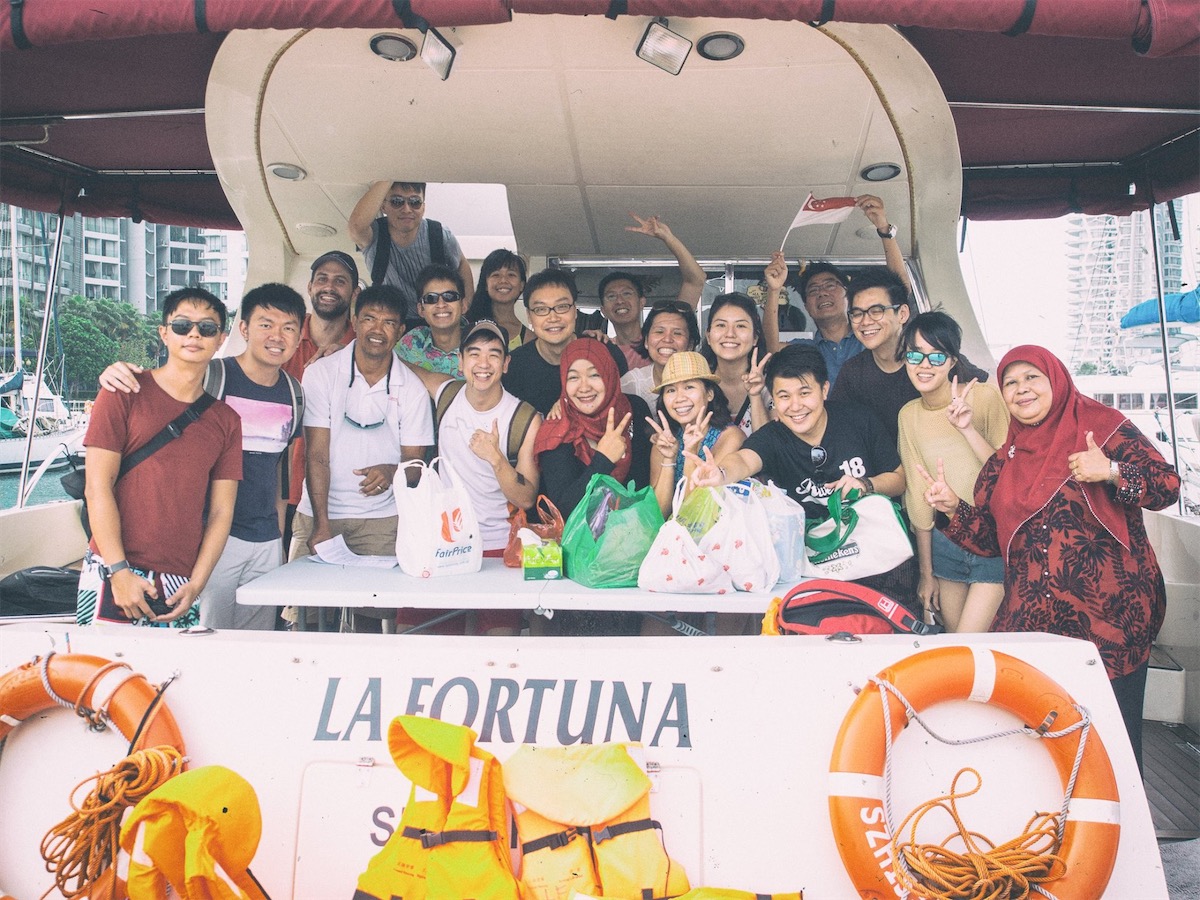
[(198, 832), (583, 819), (451, 841)]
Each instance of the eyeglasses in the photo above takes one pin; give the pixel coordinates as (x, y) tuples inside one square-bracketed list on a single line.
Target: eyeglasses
[(208, 328), (818, 455), (560, 309), (875, 312), (432, 299), (916, 357), (818, 287), (610, 296), (414, 202)]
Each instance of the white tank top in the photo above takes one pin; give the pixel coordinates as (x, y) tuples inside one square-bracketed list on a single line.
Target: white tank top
[(454, 443)]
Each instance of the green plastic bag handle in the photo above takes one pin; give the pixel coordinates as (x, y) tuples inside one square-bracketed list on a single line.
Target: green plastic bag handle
[(845, 520)]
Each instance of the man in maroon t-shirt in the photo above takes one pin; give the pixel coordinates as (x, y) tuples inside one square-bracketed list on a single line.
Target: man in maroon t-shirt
[(152, 548)]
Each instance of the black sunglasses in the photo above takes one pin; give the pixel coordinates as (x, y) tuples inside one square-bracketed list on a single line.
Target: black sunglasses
[(432, 298), (208, 328), (818, 455), (414, 202)]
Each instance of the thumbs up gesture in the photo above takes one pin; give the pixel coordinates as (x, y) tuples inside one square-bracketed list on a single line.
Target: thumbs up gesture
[(1090, 465), (486, 444)]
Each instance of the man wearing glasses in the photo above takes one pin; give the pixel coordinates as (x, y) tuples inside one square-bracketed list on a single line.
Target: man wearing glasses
[(365, 413), (532, 374), (397, 209), (153, 548), (879, 308)]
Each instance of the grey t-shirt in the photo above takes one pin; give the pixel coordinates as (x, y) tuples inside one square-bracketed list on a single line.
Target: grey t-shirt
[(405, 263)]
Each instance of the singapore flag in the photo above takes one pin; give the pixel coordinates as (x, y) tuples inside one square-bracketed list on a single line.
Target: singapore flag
[(829, 211)]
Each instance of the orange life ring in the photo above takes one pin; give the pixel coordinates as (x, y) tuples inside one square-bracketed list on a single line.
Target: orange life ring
[(98, 689), (1093, 828)]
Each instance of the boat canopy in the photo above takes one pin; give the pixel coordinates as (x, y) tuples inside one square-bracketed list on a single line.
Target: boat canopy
[(1181, 308), (1059, 105)]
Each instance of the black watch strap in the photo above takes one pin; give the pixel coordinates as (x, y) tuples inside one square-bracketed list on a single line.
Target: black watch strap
[(119, 565)]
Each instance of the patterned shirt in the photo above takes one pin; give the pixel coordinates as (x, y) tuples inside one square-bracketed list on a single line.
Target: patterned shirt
[(418, 348)]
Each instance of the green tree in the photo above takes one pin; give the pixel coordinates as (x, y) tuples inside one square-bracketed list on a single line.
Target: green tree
[(87, 351), (1086, 368), (96, 333)]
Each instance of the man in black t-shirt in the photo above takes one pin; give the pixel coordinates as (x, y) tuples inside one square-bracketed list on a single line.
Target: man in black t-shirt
[(533, 374)]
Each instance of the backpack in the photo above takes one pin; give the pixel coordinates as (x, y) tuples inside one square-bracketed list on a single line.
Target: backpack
[(516, 431), (828, 606), (437, 248), (214, 385)]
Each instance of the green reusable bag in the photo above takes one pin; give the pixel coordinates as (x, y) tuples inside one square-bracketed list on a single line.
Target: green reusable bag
[(609, 533)]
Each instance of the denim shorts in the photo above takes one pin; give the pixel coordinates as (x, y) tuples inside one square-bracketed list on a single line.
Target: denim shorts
[(952, 563)]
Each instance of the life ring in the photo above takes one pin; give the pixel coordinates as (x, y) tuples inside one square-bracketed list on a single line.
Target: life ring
[(1093, 828), (98, 689)]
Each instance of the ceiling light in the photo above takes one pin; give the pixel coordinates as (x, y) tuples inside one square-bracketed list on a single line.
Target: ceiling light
[(880, 172), (720, 46), (437, 53), (287, 171), (662, 47), (393, 47), (316, 229)]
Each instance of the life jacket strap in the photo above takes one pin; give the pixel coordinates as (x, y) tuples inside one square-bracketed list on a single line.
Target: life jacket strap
[(612, 831), (431, 839), (555, 841)]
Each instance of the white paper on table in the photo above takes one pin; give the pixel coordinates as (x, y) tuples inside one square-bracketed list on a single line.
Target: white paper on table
[(335, 552)]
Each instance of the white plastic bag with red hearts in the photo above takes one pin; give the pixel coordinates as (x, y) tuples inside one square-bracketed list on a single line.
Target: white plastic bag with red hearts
[(677, 565)]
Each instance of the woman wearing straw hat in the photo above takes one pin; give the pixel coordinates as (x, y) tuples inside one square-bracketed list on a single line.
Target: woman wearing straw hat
[(692, 414)]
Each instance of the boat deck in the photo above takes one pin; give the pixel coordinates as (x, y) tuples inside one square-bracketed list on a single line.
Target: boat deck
[(1171, 754)]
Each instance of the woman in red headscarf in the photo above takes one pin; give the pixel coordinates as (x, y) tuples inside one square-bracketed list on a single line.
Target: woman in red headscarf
[(1061, 502), (601, 430)]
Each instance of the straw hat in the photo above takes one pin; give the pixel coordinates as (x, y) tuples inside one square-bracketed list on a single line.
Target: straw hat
[(687, 365)]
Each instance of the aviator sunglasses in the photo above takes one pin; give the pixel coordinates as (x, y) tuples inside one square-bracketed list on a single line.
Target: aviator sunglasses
[(414, 202), (208, 328), (916, 357)]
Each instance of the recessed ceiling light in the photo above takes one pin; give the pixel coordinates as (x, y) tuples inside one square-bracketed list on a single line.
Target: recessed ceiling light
[(720, 46), (316, 229), (287, 171), (393, 47), (880, 172)]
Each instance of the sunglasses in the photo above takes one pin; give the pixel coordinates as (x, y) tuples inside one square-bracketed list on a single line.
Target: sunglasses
[(414, 202), (208, 328), (432, 299), (875, 312), (818, 455), (916, 357)]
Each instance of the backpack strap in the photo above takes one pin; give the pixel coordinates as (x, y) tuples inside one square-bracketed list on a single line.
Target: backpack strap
[(517, 430), (444, 399), (383, 251), (214, 378), (297, 405), (437, 243)]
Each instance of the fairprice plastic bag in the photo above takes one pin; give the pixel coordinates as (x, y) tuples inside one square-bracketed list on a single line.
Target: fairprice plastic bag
[(785, 519), (437, 532), (609, 533)]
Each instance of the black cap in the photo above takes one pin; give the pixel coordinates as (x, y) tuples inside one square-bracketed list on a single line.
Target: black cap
[(338, 256)]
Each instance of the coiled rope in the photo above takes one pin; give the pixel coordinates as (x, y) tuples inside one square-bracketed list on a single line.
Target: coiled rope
[(1013, 870), (84, 844)]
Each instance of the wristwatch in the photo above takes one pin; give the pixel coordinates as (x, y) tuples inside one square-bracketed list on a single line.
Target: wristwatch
[(1114, 472), (107, 572), (889, 232)]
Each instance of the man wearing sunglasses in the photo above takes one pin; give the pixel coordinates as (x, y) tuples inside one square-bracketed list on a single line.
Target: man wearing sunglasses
[(364, 414), (153, 547), (440, 302), (879, 308), (395, 210)]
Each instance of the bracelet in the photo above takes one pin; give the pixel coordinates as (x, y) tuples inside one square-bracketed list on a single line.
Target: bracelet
[(868, 485), (667, 465)]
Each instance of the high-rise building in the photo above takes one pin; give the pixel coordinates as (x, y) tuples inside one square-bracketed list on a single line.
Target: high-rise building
[(1110, 270)]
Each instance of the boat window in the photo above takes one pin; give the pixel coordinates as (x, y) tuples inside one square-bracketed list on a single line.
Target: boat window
[(1130, 401)]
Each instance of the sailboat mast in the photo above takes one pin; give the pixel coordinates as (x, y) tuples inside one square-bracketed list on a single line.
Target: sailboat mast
[(12, 239)]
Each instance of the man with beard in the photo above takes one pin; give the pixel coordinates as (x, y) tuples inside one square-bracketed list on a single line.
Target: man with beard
[(332, 288)]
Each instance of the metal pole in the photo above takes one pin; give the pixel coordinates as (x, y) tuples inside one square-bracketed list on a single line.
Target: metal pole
[(1166, 344), (51, 290)]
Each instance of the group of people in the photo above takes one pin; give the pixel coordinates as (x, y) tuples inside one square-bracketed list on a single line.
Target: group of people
[(1024, 499)]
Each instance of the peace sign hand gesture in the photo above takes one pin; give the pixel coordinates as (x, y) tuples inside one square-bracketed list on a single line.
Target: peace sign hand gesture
[(612, 443), (706, 473), (653, 226), (664, 438), (938, 493), (754, 379), (959, 411), (694, 432)]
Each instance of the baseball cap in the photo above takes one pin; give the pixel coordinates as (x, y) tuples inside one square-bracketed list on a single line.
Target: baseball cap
[(341, 257)]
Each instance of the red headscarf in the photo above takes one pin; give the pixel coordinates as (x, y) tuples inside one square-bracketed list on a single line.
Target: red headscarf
[(574, 427), (1035, 456)]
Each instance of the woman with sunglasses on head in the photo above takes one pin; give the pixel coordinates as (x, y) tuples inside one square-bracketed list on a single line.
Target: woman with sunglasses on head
[(737, 352), (960, 424), (670, 328), (501, 280), (692, 415), (434, 345), (1061, 503)]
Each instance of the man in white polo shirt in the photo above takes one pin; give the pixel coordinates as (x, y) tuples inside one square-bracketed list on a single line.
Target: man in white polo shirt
[(365, 413)]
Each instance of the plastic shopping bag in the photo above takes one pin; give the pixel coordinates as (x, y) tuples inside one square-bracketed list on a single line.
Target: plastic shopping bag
[(609, 533), (550, 528), (785, 518), (756, 567), (675, 563), (863, 536), (436, 530)]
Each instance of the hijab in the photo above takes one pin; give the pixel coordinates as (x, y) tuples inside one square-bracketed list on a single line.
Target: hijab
[(1035, 463), (576, 428)]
